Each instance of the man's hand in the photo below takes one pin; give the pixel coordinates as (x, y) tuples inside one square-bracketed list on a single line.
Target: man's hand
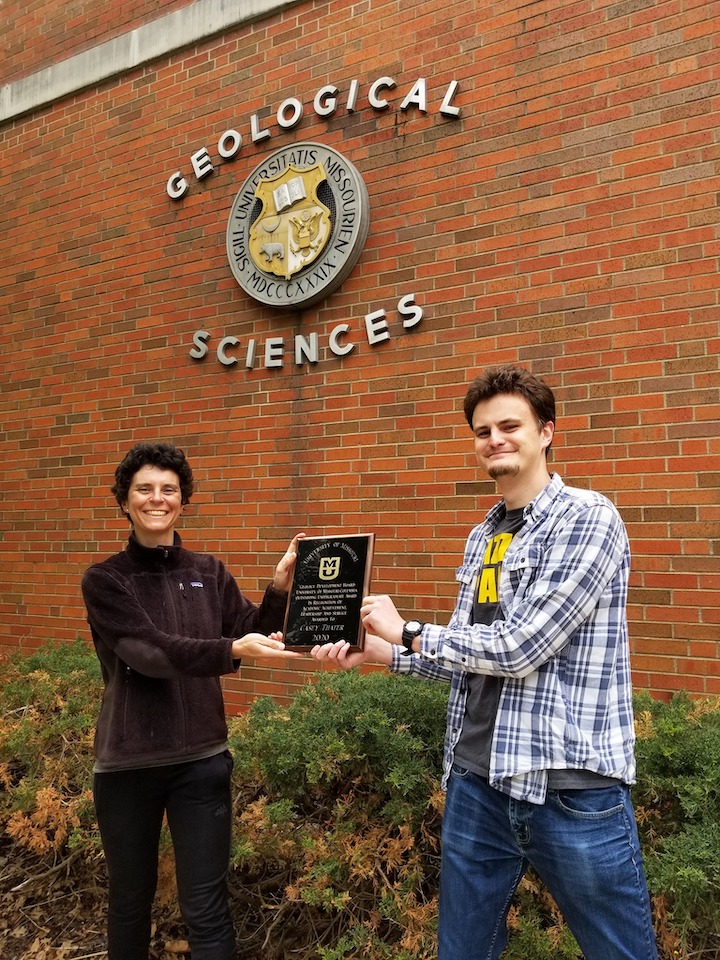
[(282, 578), (379, 615), (375, 650)]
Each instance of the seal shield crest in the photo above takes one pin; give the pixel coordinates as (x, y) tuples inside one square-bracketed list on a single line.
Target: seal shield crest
[(294, 226), (297, 226)]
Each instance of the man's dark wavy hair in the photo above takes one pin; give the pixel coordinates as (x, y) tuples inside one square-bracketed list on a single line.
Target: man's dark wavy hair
[(164, 455), (511, 379)]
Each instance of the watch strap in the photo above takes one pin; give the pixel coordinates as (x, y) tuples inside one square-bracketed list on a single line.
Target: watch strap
[(411, 629)]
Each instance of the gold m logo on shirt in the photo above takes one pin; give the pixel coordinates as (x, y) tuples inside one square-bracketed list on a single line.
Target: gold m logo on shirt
[(329, 568)]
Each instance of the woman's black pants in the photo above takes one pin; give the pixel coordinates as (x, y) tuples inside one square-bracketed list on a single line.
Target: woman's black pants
[(130, 805)]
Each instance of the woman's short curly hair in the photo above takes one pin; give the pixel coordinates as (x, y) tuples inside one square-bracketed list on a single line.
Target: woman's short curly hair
[(164, 455)]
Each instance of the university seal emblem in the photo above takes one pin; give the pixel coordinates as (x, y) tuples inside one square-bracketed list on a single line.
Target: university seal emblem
[(297, 226)]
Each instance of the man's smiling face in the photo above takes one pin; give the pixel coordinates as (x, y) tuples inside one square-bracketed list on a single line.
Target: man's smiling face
[(509, 439)]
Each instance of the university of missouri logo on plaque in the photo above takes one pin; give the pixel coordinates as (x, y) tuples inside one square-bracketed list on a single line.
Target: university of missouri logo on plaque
[(297, 226), (329, 568)]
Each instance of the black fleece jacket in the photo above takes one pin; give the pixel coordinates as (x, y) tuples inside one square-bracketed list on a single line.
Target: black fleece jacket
[(163, 620)]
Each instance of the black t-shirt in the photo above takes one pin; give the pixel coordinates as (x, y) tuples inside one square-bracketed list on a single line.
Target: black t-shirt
[(473, 748)]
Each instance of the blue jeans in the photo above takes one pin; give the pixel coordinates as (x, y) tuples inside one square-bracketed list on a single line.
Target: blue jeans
[(582, 843), (130, 805)]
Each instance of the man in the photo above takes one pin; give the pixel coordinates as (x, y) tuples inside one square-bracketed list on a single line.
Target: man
[(539, 747)]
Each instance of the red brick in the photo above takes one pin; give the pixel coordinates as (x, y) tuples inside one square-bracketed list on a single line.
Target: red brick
[(568, 221)]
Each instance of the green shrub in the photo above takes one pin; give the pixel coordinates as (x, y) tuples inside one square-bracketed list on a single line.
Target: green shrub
[(380, 734), (338, 808), (52, 872), (339, 801), (49, 703), (677, 799)]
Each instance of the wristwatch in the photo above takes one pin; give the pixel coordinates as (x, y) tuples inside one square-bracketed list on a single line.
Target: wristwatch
[(411, 629)]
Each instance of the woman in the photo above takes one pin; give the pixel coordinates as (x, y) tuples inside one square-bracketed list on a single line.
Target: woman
[(167, 623)]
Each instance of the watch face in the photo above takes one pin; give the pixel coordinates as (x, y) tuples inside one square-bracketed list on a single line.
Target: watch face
[(413, 626)]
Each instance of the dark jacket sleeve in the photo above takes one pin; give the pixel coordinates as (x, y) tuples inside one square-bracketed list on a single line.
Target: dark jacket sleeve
[(120, 622)]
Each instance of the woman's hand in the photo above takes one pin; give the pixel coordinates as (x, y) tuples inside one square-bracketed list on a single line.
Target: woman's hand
[(375, 650), (256, 646), (282, 578)]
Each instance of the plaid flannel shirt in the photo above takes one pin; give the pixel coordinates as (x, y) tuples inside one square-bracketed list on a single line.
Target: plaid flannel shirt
[(562, 648)]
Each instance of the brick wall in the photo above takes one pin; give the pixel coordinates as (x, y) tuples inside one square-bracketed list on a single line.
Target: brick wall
[(568, 220), (38, 33)]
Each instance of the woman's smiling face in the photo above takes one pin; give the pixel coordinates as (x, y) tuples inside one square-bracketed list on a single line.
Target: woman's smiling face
[(154, 504)]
